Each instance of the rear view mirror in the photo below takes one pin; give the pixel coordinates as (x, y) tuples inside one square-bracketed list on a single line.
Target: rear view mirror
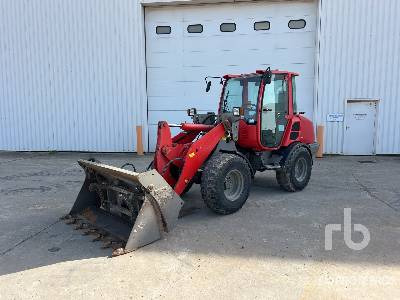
[(208, 86)]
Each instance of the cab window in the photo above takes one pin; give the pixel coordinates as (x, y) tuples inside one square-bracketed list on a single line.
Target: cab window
[(294, 94), (274, 111), (242, 92)]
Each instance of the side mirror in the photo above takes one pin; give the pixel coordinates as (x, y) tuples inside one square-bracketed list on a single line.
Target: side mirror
[(268, 76), (208, 86), (191, 112)]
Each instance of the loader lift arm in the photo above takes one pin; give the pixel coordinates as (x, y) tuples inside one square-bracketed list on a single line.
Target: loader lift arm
[(182, 152)]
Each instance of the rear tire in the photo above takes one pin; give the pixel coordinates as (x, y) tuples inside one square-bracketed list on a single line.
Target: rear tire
[(225, 183), (296, 169)]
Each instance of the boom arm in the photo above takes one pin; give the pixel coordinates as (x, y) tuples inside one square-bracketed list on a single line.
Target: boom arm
[(183, 153)]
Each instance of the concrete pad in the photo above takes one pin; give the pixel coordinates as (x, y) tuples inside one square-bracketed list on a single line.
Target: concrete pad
[(273, 248)]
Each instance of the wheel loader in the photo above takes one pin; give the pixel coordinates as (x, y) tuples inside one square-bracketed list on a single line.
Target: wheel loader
[(257, 128)]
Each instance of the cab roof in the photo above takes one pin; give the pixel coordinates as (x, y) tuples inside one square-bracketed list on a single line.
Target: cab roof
[(258, 73)]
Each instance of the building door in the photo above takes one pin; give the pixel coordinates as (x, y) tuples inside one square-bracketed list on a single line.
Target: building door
[(186, 43), (360, 129)]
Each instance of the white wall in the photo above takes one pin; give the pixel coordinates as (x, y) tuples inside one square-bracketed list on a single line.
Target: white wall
[(72, 72), (72, 75), (359, 58)]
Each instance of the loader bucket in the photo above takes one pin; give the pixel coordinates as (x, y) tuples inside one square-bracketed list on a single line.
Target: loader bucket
[(124, 209)]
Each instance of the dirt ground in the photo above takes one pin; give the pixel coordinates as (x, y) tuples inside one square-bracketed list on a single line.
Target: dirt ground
[(273, 248)]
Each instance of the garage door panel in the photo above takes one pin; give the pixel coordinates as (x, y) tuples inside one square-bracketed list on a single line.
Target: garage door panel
[(198, 46), (163, 40), (163, 60), (219, 58), (183, 77), (169, 116), (224, 63), (266, 40), (295, 40), (191, 94), (258, 9), (162, 15), (166, 59), (197, 59), (158, 74), (255, 52), (167, 89), (230, 67), (295, 9), (199, 100), (175, 116), (163, 46), (178, 62), (200, 72), (306, 55)]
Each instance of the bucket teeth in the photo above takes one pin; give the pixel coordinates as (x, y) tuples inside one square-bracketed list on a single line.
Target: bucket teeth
[(110, 244), (99, 237), (66, 217), (81, 226), (70, 221), (118, 252), (92, 231)]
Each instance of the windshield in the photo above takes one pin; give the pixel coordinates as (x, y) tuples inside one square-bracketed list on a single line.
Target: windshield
[(242, 92)]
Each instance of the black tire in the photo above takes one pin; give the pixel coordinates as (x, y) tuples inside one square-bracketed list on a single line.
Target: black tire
[(296, 169), (225, 183)]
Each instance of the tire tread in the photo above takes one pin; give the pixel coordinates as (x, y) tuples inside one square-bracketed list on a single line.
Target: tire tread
[(283, 176), (209, 182)]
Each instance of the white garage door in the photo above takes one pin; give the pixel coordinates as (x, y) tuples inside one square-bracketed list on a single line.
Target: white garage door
[(185, 44)]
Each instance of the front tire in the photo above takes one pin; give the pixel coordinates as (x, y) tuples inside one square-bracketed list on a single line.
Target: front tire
[(296, 169), (225, 183)]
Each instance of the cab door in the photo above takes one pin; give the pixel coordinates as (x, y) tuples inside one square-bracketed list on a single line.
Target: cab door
[(274, 111)]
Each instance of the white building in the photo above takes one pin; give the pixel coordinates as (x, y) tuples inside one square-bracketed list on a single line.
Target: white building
[(81, 75)]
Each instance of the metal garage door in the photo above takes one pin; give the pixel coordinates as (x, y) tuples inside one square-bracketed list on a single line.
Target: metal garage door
[(184, 44)]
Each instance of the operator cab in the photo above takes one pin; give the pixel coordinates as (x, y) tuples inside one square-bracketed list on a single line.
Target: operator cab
[(264, 104)]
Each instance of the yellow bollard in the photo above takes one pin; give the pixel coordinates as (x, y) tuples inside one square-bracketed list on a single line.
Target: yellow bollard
[(320, 140), (139, 138)]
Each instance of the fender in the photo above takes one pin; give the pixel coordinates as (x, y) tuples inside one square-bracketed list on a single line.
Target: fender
[(285, 151), (230, 147)]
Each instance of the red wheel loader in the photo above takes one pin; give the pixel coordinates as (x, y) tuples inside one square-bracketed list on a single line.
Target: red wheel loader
[(257, 128)]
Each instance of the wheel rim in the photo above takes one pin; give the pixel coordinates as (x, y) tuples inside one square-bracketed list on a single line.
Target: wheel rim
[(233, 185), (300, 169)]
